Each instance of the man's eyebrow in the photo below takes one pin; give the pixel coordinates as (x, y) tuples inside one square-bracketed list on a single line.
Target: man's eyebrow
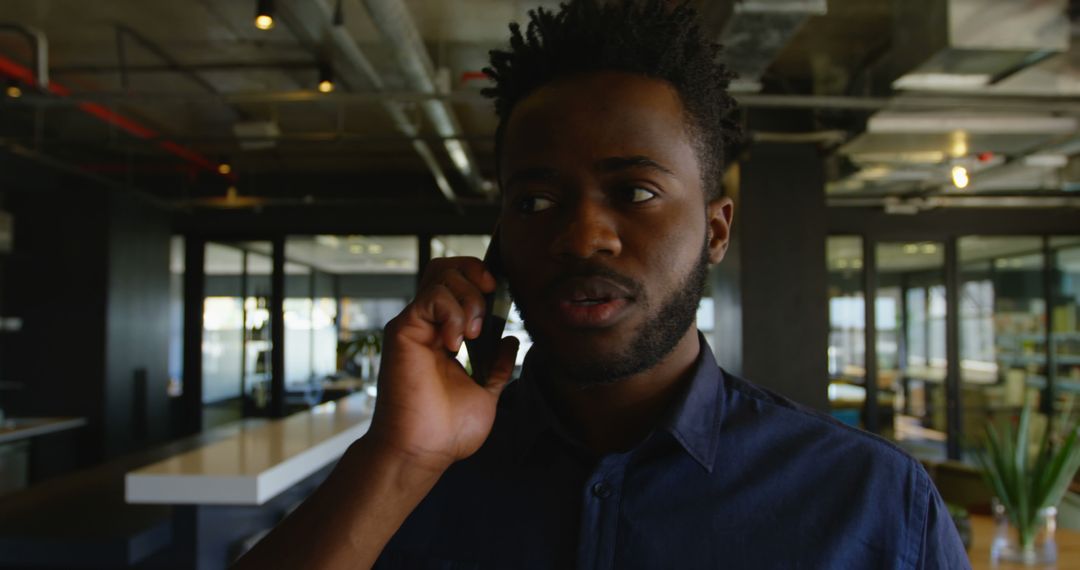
[(534, 174), (617, 163)]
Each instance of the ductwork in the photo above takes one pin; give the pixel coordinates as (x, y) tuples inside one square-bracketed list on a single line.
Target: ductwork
[(972, 44), (312, 22), (393, 20), (757, 31)]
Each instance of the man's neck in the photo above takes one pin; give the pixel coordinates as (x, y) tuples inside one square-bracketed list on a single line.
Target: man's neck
[(617, 416)]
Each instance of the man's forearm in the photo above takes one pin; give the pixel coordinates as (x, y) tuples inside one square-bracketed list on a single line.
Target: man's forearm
[(350, 518)]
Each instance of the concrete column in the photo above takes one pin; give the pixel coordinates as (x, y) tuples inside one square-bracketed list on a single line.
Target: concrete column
[(770, 292)]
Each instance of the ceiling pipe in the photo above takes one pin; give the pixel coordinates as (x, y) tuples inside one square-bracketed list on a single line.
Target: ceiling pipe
[(312, 22), (392, 18), (108, 116), (39, 46)]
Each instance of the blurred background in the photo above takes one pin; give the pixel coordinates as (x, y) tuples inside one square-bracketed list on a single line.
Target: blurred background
[(210, 208)]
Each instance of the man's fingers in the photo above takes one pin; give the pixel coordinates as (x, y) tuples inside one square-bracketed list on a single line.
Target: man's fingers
[(471, 299), (503, 366), (443, 310), (471, 268)]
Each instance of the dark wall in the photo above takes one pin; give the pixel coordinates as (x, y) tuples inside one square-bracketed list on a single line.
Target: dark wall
[(55, 281), (89, 276), (137, 316)]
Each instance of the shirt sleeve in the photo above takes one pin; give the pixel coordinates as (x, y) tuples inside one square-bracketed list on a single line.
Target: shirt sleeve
[(941, 544)]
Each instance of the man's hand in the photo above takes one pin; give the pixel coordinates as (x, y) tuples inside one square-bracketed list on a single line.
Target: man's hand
[(429, 410), (429, 414)]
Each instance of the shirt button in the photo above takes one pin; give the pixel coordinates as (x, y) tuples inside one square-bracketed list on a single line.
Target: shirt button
[(601, 490)]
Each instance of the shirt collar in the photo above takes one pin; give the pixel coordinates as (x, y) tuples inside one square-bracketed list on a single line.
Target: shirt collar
[(694, 422)]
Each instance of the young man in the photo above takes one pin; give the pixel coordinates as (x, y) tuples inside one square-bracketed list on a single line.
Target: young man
[(623, 445)]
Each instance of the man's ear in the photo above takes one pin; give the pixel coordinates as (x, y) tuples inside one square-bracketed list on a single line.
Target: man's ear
[(719, 214)]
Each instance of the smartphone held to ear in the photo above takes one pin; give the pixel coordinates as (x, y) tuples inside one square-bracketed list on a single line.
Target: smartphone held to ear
[(485, 347)]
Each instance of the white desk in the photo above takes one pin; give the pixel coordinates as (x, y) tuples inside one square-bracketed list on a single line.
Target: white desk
[(258, 463)]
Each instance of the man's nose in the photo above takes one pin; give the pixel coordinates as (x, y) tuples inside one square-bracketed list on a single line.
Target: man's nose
[(589, 228)]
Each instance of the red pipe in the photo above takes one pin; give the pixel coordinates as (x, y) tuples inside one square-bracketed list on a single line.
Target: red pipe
[(126, 124)]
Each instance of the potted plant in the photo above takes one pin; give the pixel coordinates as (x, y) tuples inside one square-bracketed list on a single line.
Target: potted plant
[(1029, 484)]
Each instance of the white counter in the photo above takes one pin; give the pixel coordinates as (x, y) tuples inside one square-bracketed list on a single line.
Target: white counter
[(258, 463)]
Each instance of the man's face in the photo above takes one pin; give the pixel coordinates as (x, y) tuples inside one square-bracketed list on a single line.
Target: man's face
[(606, 234)]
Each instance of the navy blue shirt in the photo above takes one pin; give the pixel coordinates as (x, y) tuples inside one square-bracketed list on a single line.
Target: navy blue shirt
[(737, 477)]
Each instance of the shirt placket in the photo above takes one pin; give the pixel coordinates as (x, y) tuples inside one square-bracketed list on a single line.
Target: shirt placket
[(601, 497)]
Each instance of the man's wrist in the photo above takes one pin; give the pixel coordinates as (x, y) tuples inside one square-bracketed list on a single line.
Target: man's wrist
[(373, 449)]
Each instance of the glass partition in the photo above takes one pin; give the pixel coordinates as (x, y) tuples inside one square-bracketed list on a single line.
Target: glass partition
[(847, 328), (340, 294), (910, 310), (1065, 323), (257, 341), (1002, 327), (223, 318)]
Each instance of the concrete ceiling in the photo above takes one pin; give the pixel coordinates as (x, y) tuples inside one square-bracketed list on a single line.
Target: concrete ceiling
[(192, 71)]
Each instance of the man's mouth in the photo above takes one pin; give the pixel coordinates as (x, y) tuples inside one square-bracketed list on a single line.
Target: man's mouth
[(591, 302)]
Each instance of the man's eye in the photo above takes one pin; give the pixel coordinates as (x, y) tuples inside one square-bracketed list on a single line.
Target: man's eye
[(534, 204), (638, 194)]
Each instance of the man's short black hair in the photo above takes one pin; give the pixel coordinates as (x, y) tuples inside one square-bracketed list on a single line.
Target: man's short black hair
[(646, 37)]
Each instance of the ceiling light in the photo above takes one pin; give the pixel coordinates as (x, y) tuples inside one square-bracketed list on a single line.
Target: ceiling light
[(264, 14), (328, 241), (911, 248), (13, 91), (224, 168), (356, 249), (326, 79), (374, 249), (1046, 160), (960, 177), (929, 248), (941, 81), (842, 263), (958, 144)]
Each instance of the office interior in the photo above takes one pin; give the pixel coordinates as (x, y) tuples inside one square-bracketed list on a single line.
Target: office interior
[(209, 209)]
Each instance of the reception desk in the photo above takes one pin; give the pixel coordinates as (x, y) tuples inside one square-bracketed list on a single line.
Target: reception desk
[(228, 491)]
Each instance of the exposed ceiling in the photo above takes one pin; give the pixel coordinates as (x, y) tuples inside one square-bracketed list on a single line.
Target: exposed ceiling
[(156, 94)]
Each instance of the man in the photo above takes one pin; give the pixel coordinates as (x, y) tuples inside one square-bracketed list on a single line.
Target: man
[(622, 445)]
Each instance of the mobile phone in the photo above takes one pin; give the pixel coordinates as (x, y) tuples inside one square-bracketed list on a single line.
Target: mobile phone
[(484, 348)]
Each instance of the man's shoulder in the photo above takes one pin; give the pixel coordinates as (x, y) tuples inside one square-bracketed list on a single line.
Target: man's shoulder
[(752, 406)]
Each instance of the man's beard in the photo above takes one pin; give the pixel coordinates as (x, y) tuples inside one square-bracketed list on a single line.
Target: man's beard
[(653, 340)]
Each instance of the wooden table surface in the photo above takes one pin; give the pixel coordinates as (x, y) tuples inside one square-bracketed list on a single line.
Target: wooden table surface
[(982, 527)]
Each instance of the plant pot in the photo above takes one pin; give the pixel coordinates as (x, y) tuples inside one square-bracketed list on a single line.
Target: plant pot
[(1010, 545)]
